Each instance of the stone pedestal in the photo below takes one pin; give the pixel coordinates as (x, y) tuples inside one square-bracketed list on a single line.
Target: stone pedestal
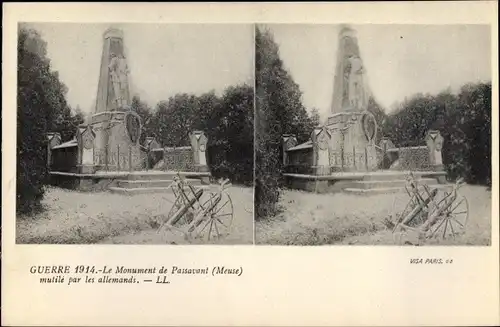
[(53, 139), (434, 142), (85, 137), (116, 142), (199, 147), (288, 142), (320, 138), (352, 141)]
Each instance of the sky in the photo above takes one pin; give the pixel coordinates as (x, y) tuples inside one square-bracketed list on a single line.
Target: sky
[(400, 60), (163, 59)]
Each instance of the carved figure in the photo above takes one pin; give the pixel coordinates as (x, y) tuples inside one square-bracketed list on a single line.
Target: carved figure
[(119, 72), (355, 82)]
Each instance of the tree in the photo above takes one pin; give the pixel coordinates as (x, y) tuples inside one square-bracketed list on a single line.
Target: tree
[(279, 110), (467, 132), (175, 119), (145, 112), (40, 102), (231, 144), (463, 119), (79, 116), (315, 117), (380, 116), (226, 120)]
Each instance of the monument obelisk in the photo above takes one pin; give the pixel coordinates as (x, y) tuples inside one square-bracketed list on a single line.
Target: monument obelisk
[(117, 128), (352, 127)]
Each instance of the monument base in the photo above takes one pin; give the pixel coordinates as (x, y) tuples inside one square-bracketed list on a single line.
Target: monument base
[(201, 168), (113, 147), (129, 183), (363, 183), (87, 169), (321, 170), (351, 144), (355, 159)]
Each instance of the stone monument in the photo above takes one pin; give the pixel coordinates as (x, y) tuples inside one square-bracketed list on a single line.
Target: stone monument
[(353, 129), (117, 128), (320, 138), (54, 139), (199, 147), (342, 155), (434, 142), (288, 141)]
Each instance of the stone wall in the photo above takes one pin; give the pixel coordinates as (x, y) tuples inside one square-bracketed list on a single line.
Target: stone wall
[(177, 159), (64, 159), (300, 161), (412, 158)]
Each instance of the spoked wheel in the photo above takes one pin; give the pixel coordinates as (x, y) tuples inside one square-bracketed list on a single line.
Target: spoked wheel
[(452, 222), (219, 214)]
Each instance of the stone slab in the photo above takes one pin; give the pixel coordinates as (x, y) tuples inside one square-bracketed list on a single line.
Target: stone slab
[(153, 183), (146, 190)]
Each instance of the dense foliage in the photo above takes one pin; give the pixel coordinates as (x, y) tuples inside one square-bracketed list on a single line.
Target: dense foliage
[(41, 108), (227, 121), (464, 120), (279, 111)]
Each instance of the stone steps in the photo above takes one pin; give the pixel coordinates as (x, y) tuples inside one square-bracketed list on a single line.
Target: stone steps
[(387, 184), (394, 175), (143, 182), (149, 183), (158, 175), (147, 190), (388, 190)]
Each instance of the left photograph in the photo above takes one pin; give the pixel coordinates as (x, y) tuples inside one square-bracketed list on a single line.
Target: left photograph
[(135, 133)]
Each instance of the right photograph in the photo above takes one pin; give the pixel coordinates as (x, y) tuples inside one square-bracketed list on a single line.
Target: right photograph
[(373, 135)]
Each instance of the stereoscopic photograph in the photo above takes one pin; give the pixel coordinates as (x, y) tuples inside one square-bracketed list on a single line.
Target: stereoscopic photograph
[(135, 133), (373, 134), (218, 154)]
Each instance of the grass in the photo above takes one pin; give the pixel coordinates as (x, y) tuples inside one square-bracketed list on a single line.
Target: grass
[(322, 219), (72, 217)]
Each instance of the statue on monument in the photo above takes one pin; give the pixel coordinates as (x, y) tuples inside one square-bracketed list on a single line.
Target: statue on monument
[(353, 83), (119, 72)]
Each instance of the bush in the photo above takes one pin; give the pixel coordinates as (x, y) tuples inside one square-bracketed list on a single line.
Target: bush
[(464, 120), (279, 111), (41, 107), (32, 72), (227, 120), (230, 129)]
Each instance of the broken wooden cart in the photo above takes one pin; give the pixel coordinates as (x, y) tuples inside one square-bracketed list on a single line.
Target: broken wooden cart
[(431, 214), (198, 213)]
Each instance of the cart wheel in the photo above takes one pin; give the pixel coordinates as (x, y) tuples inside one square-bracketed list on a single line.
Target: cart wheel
[(453, 220), (219, 217)]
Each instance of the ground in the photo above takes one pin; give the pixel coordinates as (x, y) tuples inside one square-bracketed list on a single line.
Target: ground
[(72, 217), (320, 219)]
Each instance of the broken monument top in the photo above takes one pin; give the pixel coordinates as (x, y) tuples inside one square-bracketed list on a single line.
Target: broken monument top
[(113, 92), (350, 93)]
